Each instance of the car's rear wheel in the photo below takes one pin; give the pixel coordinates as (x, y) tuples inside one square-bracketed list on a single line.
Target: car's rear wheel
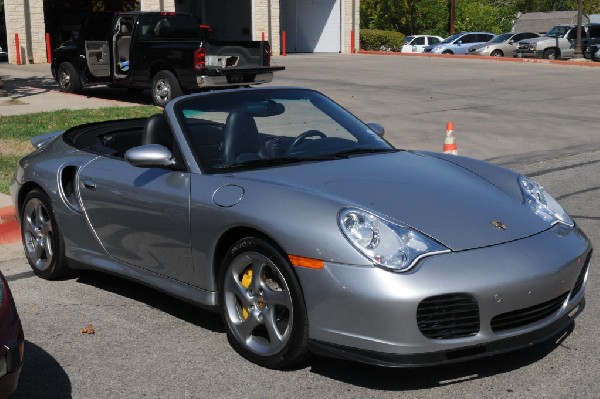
[(551, 54), (42, 238), (165, 87), (262, 305), (497, 53), (68, 78)]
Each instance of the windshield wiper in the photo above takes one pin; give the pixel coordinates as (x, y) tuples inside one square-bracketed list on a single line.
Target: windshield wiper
[(262, 162), (291, 160), (362, 150)]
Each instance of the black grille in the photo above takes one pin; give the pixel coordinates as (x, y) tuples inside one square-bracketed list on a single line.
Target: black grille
[(581, 277), (448, 316), (523, 317)]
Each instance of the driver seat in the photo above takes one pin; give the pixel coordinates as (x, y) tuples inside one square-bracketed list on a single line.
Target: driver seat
[(241, 141), (157, 131)]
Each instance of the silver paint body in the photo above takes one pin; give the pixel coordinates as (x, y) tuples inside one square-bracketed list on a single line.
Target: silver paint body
[(161, 227)]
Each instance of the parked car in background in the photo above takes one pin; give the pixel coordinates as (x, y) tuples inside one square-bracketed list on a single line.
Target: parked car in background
[(417, 43), (592, 52), (460, 43), (3, 55), (11, 342), (502, 45), (558, 42)]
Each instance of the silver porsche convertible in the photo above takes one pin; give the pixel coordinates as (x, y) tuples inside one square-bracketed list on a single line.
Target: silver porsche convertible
[(306, 230)]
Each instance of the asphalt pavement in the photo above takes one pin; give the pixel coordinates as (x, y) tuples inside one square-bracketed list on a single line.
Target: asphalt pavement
[(539, 119)]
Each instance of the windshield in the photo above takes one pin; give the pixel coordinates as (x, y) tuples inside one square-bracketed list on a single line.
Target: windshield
[(450, 39), (557, 31), (253, 128), (501, 38)]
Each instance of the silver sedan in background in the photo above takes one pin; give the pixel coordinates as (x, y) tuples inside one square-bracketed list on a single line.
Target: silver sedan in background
[(502, 45)]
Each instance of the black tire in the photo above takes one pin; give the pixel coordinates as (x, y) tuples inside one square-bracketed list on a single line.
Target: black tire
[(165, 87), (68, 78), (551, 54), (265, 317), (497, 53), (42, 239), (447, 52)]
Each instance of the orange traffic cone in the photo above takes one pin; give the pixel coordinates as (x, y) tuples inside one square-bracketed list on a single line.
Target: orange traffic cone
[(450, 142)]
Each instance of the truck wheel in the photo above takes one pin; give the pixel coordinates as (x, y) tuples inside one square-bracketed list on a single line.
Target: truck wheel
[(165, 87), (550, 54), (68, 78)]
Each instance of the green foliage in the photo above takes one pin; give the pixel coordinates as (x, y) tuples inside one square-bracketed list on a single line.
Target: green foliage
[(375, 39), (24, 127)]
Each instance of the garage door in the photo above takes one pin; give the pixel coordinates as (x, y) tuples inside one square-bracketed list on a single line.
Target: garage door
[(312, 25)]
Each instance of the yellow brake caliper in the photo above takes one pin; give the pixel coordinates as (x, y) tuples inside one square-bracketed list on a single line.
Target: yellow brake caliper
[(246, 280)]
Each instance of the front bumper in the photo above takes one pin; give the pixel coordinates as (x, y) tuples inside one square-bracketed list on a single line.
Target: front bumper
[(528, 54), (369, 314), (233, 80)]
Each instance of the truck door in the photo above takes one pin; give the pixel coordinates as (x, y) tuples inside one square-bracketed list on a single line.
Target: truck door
[(96, 47)]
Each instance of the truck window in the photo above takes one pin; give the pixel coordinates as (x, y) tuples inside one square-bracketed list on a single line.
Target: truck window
[(594, 31), (98, 26), (169, 27)]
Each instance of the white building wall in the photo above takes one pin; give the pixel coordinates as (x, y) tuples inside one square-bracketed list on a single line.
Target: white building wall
[(25, 18)]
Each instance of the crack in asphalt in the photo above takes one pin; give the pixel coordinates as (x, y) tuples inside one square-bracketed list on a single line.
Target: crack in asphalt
[(587, 190), (559, 168), (19, 276)]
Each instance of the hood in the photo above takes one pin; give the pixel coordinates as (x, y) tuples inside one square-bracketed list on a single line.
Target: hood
[(443, 200), (537, 39)]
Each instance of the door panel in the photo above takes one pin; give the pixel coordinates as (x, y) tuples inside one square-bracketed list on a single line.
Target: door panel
[(140, 215), (98, 58)]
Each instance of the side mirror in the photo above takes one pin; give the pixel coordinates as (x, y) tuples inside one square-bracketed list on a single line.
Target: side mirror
[(377, 128), (150, 156), (511, 41), (458, 43)]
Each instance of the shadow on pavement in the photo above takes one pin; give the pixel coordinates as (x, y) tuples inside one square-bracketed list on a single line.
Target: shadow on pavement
[(154, 298), (21, 88), (391, 379), (42, 376)]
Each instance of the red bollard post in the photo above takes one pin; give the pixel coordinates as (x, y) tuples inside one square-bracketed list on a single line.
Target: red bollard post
[(283, 43), (352, 48), (48, 48), (263, 36), (18, 51)]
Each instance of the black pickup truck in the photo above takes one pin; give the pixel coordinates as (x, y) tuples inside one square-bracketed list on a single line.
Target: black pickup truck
[(165, 51)]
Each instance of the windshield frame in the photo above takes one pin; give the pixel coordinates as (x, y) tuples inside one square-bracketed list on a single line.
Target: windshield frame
[(228, 100)]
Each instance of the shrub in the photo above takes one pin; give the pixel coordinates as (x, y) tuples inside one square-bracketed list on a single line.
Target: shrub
[(374, 39)]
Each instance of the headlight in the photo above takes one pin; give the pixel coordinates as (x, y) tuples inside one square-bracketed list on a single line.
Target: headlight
[(542, 203), (389, 245)]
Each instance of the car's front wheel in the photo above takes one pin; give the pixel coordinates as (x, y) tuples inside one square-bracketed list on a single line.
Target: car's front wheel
[(497, 53), (262, 305), (165, 87), (551, 54), (68, 78), (447, 52), (42, 238)]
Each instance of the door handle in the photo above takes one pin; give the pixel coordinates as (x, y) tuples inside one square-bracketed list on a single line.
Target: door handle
[(89, 184)]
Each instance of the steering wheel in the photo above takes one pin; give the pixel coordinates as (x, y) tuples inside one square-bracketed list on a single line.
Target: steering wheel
[(303, 136)]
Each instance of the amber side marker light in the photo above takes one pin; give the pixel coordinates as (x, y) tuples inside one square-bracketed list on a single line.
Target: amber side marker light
[(306, 262)]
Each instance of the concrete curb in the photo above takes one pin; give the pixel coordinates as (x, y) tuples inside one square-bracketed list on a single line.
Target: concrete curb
[(476, 57), (9, 226)]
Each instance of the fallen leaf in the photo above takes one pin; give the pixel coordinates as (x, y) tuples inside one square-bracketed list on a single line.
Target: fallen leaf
[(88, 330)]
